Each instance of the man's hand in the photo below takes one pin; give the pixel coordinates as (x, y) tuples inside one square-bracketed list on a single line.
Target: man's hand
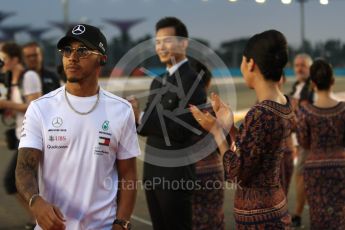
[(127, 189), (135, 105), (223, 112), (48, 216), (205, 120)]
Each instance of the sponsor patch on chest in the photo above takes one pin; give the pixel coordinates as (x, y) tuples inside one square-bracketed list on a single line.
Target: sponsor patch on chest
[(105, 141)]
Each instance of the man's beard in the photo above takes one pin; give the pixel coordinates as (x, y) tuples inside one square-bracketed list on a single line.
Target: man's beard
[(73, 79)]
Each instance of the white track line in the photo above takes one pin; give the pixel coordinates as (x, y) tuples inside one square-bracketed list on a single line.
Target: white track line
[(141, 220)]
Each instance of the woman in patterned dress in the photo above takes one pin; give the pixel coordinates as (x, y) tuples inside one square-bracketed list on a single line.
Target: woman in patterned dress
[(321, 129), (254, 156), (208, 197), (286, 166)]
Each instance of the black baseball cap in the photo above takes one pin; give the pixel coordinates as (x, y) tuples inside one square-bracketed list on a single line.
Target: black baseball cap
[(91, 36)]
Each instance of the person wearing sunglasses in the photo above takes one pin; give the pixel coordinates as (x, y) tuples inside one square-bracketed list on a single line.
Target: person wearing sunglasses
[(77, 154)]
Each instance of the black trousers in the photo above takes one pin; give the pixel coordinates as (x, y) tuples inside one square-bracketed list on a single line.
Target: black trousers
[(170, 210)]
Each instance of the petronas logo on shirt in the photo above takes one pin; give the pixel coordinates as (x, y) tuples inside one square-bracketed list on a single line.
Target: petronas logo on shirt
[(105, 125), (104, 141)]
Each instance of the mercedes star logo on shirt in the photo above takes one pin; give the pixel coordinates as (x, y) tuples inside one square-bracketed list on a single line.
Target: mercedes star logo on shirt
[(57, 122), (78, 29)]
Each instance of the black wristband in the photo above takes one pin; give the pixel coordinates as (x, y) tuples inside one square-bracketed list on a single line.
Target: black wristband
[(125, 224)]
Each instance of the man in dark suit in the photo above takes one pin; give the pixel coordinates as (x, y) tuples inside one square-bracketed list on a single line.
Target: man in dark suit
[(171, 130)]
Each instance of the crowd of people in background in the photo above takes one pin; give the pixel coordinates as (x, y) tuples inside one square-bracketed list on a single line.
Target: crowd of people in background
[(28, 80), (301, 133)]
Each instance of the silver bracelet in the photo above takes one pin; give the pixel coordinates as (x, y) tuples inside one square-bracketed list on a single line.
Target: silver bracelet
[(32, 199)]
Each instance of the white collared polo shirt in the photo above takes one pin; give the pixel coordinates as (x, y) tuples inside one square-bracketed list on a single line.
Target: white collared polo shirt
[(78, 172)]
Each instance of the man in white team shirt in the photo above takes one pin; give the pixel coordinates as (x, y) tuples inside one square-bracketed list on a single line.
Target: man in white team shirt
[(77, 153)]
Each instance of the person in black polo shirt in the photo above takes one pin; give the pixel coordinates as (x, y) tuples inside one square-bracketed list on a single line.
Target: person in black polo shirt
[(33, 59)]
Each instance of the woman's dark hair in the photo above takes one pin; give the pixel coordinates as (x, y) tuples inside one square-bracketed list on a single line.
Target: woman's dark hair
[(12, 50), (321, 74), (180, 28), (270, 52)]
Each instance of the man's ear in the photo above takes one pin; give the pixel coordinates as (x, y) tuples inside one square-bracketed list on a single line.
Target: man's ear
[(103, 60), (185, 43)]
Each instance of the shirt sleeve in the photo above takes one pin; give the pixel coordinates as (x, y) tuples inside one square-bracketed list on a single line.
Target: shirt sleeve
[(31, 135), (128, 143), (258, 132), (31, 83)]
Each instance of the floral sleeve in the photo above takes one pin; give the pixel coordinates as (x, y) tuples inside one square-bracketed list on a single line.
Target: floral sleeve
[(256, 137)]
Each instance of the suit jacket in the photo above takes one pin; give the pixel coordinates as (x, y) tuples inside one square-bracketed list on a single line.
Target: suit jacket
[(168, 98), (307, 93)]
